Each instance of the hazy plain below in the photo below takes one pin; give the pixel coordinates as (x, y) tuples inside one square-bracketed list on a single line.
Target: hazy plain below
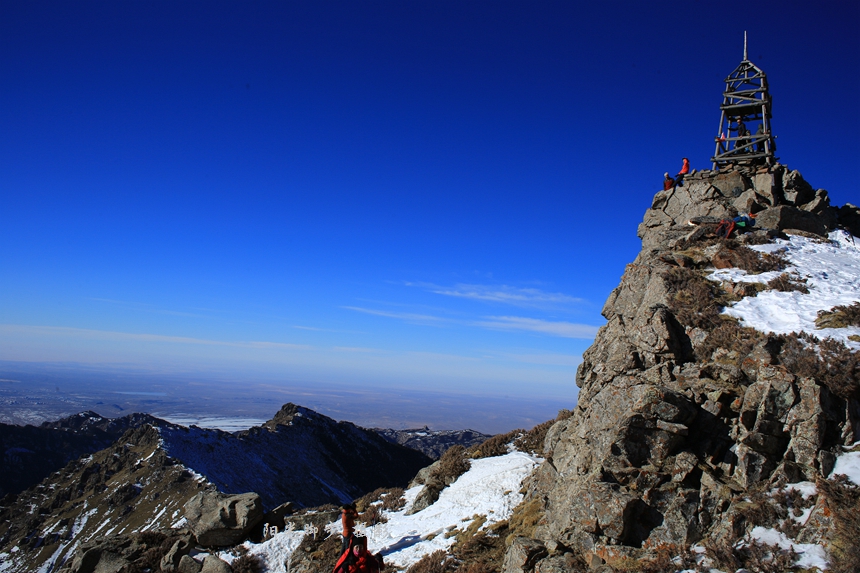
[(31, 393)]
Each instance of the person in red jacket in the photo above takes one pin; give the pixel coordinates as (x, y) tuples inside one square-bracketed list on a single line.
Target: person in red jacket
[(357, 559), (685, 168)]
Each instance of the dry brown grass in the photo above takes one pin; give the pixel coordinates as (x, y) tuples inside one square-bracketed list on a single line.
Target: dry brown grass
[(524, 520), (832, 363), (248, 563), (731, 336), (839, 317), (319, 554), (787, 283), (843, 499), (495, 446), (392, 499), (436, 562), (694, 300)]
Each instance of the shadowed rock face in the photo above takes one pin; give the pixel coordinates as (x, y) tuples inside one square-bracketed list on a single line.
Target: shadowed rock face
[(32, 453), (662, 446)]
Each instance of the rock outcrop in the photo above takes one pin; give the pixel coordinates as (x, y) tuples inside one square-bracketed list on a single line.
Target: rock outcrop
[(219, 520), (682, 415)]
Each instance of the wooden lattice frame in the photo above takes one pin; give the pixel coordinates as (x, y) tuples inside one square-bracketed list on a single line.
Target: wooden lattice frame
[(746, 97)]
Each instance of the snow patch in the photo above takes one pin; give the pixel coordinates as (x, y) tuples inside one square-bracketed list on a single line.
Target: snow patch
[(832, 272), (808, 554)]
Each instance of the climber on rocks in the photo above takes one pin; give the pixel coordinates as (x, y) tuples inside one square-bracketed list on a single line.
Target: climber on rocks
[(668, 182), (685, 169)]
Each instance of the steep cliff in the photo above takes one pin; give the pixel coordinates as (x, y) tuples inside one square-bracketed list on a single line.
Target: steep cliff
[(689, 426)]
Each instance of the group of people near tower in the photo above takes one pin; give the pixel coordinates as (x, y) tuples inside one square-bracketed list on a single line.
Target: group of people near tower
[(354, 555), (670, 182), (745, 138)]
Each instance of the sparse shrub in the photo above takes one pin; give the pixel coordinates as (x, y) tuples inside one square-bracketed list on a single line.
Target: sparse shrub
[(372, 515), (843, 499), (392, 499), (722, 554), (248, 563), (436, 562), (495, 446), (532, 441), (731, 336), (755, 262), (760, 558), (832, 363), (320, 554), (452, 465), (839, 316), (524, 519), (787, 283), (693, 299)]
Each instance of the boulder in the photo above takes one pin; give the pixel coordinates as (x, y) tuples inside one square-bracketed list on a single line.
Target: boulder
[(849, 218), (796, 190), (786, 217), (188, 565), (523, 554), (219, 520), (180, 548), (214, 564)]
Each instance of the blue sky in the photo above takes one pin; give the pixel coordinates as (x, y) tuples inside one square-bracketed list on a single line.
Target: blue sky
[(435, 195)]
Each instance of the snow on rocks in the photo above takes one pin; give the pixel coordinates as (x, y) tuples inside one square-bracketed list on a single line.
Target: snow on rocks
[(808, 554), (832, 272)]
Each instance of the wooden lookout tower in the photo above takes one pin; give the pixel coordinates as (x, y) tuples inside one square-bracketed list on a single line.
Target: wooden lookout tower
[(744, 134)]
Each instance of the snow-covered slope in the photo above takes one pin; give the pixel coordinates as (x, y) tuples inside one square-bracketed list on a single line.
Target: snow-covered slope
[(832, 273), (489, 491)]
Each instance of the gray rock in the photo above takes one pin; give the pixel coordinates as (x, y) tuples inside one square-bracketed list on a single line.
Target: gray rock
[(180, 548), (214, 564), (796, 190), (219, 520), (188, 565), (785, 217), (849, 217), (522, 555)]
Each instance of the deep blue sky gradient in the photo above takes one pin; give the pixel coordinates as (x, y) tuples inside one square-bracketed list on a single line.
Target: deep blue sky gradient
[(399, 193)]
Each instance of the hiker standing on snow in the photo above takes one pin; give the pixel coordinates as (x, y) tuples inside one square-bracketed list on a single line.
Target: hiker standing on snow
[(357, 559), (685, 168)]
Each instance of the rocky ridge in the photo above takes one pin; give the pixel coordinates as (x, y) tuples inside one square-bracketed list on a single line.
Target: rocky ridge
[(145, 483), (31, 453), (433, 443), (687, 422)]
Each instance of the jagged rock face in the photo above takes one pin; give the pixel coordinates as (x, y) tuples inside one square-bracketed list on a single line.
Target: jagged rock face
[(131, 486), (661, 444)]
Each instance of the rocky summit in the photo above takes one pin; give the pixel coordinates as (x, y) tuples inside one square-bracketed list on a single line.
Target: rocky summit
[(688, 425)]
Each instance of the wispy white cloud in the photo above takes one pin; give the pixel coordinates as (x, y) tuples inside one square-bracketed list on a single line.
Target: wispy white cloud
[(504, 294), (407, 316), (552, 328), (141, 337)]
